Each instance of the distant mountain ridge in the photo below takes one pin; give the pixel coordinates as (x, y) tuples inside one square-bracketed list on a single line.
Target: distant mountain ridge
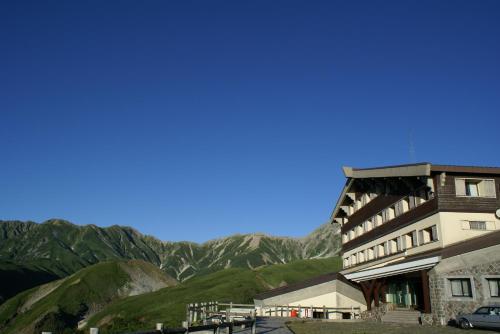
[(60, 247)]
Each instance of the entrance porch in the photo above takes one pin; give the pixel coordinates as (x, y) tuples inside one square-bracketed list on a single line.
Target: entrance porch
[(404, 285)]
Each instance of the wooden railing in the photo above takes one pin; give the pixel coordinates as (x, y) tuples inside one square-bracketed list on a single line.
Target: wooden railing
[(307, 311)]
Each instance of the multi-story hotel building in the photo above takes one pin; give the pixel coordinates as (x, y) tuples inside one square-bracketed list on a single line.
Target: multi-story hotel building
[(422, 236)]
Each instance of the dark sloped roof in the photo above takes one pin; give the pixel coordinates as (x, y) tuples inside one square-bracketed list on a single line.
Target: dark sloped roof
[(304, 284), (465, 169)]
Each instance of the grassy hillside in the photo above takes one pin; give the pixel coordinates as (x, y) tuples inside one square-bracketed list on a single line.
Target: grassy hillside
[(59, 305), (235, 284)]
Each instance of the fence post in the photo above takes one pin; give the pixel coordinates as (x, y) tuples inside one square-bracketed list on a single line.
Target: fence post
[(254, 326), (288, 310), (195, 313), (275, 310), (188, 314), (94, 330), (325, 316), (300, 311)]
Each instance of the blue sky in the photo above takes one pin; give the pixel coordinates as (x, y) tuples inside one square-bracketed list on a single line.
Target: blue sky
[(191, 120)]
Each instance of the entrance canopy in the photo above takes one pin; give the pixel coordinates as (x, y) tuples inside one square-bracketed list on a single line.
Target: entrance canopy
[(393, 269)]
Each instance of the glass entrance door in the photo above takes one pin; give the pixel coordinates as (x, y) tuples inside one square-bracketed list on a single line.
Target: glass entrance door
[(402, 293)]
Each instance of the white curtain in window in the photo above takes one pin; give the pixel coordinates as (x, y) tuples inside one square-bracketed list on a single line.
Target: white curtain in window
[(456, 288), (434, 233), (493, 283), (471, 189)]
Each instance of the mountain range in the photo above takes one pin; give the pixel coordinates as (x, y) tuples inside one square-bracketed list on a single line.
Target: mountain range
[(57, 248)]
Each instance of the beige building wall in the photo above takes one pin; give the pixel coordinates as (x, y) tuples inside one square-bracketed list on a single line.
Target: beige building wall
[(452, 227), (330, 294), (455, 226), (421, 224)]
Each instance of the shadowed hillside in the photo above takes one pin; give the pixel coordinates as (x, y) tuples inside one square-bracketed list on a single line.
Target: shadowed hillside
[(58, 306)]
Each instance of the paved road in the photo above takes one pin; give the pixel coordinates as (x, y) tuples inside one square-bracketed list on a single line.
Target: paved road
[(268, 326)]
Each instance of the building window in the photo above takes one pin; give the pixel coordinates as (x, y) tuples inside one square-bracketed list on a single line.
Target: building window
[(494, 286), (405, 203), (475, 187), (370, 254), (392, 246), (381, 250), (477, 225), (460, 287), (471, 188), (412, 203), (414, 239), (361, 256), (399, 208), (428, 235)]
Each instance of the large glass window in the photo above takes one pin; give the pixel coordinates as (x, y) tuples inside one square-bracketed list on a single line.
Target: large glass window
[(461, 287), (494, 286)]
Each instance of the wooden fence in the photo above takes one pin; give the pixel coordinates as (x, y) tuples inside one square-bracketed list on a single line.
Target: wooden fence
[(214, 317), (307, 311)]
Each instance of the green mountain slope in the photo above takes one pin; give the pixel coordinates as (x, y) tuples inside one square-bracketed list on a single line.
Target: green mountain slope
[(236, 285), (61, 248), (15, 278), (58, 306)]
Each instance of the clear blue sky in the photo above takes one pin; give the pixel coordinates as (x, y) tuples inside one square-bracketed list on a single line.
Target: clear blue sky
[(190, 120)]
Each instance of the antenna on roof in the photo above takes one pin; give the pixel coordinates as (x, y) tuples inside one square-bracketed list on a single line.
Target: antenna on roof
[(411, 149)]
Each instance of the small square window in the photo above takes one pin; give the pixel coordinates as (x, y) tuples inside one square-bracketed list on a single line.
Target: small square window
[(460, 287)]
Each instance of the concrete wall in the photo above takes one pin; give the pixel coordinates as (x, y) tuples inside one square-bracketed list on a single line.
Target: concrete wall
[(477, 266)]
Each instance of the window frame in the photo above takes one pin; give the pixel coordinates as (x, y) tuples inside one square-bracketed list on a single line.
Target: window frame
[(475, 222), (497, 279), (477, 181), (462, 280)]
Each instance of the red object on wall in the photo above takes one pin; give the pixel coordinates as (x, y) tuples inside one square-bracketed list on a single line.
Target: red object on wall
[(293, 314)]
